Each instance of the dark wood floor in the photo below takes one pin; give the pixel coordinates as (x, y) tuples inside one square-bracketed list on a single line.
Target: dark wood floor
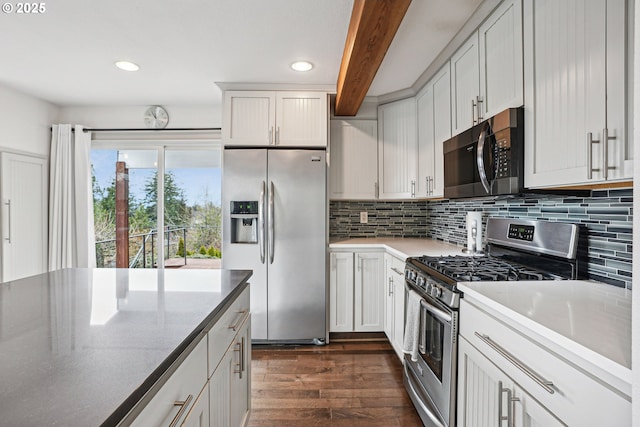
[(341, 384)]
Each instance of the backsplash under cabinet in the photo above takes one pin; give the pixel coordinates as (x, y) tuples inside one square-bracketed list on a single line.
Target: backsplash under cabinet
[(605, 217)]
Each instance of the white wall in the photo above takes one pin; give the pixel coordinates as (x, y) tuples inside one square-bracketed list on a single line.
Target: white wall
[(25, 122), (180, 116)]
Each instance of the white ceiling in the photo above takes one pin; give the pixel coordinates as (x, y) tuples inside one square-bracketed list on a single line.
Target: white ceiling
[(66, 54)]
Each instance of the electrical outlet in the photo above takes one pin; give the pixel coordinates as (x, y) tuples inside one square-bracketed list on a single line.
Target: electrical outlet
[(364, 217)]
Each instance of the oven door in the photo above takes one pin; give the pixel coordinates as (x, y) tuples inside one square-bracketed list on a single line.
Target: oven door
[(431, 379)]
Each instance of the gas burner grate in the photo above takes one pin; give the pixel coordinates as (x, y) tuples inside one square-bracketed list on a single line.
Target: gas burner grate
[(487, 269)]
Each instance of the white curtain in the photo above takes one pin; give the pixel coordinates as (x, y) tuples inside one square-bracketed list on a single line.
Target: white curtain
[(71, 233)]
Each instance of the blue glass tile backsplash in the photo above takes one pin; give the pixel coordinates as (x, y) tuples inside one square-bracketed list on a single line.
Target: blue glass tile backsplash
[(605, 218)]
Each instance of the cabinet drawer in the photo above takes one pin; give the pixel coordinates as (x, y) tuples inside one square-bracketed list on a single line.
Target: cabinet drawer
[(222, 333), (575, 397), (184, 385)]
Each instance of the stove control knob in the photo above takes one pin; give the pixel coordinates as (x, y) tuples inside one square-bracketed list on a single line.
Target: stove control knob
[(428, 287), (436, 292), (420, 281)]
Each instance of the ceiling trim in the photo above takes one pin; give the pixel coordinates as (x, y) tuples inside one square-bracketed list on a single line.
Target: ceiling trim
[(372, 27)]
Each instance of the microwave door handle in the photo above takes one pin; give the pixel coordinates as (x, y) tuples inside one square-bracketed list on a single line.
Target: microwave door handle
[(480, 160)]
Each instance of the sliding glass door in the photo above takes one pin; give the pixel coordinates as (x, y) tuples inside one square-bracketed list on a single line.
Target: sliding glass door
[(157, 206)]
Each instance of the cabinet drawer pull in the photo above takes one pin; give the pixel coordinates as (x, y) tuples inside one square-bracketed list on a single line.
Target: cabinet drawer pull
[(473, 112), (590, 142), (605, 151), (239, 320), (395, 270), (390, 291), (547, 385), (184, 404)]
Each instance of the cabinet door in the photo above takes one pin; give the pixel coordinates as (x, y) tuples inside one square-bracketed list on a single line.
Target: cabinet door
[(249, 118), (501, 74), (465, 85), (484, 390), (398, 305), (565, 87), (369, 292), (24, 216), (301, 119), (220, 391), (240, 390), (354, 159), (434, 127), (341, 292), (397, 149), (198, 416), (389, 317)]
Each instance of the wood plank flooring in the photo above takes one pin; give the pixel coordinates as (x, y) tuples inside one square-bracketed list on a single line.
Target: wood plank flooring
[(341, 384)]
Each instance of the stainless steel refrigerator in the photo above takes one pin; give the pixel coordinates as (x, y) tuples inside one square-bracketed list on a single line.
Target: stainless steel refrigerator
[(275, 223)]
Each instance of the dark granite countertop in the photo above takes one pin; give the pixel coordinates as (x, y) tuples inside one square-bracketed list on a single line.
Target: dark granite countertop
[(79, 347)]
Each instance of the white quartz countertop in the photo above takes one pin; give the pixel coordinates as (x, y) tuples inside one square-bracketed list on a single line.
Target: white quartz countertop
[(588, 319), (399, 246)]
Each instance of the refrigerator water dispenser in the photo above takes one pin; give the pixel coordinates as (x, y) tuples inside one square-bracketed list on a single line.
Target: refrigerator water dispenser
[(244, 222)]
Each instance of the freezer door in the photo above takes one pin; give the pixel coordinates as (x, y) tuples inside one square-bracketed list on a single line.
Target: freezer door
[(243, 175), (297, 217)]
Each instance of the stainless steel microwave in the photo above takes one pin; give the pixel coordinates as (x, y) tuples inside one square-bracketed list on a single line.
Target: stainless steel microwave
[(488, 159)]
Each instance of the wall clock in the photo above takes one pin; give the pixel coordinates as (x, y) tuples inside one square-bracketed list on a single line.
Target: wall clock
[(156, 117)]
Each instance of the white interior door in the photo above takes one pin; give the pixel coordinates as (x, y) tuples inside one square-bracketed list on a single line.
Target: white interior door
[(23, 192)]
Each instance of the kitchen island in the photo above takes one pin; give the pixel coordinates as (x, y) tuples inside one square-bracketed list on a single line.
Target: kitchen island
[(83, 347)]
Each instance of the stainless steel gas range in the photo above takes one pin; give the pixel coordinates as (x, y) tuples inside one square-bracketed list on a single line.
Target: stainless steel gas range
[(516, 250)]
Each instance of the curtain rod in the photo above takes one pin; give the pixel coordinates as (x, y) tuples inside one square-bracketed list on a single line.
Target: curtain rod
[(145, 129), (148, 130)]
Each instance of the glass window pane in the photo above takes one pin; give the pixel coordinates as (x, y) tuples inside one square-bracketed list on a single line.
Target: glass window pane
[(192, 208), (125, 207)]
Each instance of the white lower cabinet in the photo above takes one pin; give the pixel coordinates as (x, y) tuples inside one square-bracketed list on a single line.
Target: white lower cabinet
[(488, 398), (394, 302), (177, 396), (506, 377), (198, 416), (356, 283), (212, 386)]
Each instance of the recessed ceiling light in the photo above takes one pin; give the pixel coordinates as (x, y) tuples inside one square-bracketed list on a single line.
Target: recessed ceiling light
[(302, 66), (127, 66)]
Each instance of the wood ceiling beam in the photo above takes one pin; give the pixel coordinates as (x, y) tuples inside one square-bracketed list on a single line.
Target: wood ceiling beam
[(373, 25)]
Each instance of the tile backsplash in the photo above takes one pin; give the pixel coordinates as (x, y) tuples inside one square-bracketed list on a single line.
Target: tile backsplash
[(605, 218)]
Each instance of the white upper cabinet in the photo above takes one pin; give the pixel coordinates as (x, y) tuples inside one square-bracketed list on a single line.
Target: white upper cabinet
[(465, 85), (397, 149), (354, 159), (575, 81), (501, 74), (486, 71), (434, 127), (267, 118)]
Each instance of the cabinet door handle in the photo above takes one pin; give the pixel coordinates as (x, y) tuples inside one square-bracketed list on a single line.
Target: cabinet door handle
[(238, 321), (473, 111), (277, 141), (605, 151), (8, 205), (271, 135), (241, 362), (390, 290), (413, 188), (184, 404), (547, 385), (590, 142), (376, 190), (478, 104), (398, 272)]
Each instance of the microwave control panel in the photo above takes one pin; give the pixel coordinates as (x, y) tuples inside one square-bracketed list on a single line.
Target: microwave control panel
[(502, 156)]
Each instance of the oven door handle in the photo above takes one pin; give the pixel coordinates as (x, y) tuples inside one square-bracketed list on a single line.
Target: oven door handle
[(440, 314)]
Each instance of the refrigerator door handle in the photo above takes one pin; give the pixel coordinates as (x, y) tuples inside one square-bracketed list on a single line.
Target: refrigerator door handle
[(261, 240), (271, 224)]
